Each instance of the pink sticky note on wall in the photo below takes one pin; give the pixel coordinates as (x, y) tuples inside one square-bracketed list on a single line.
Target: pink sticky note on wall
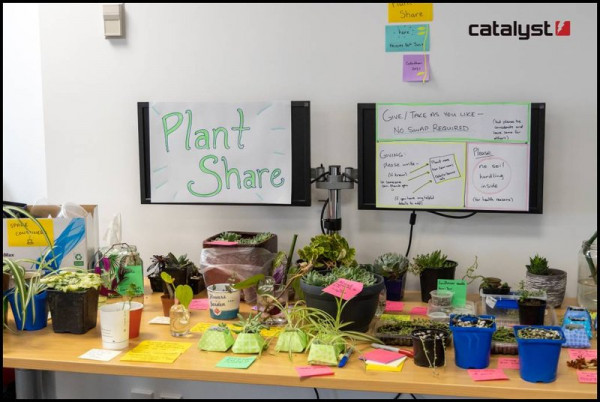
[(590, 377), (416, 68), (487, 374), (508, 363), (588, 354), (199, 304), (381, 356), (394, 306), (344, 288), (312, 371), (418, 310)]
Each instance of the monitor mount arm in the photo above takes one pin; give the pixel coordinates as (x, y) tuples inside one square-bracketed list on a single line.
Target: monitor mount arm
[(334, 181)]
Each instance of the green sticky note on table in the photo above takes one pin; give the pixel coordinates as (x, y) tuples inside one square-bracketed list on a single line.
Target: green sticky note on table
[(458, 286), (236, 362)]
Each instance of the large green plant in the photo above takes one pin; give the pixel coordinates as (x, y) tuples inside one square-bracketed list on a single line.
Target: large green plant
[(68, 281), (328, 250)]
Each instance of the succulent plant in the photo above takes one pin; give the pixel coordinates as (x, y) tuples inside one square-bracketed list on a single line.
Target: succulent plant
[(357, 274), (391, 265), (328, 251), (432, 260), (538, 265)]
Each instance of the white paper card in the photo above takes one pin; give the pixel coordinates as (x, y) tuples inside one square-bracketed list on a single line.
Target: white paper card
[(100, 354), (160, 320)]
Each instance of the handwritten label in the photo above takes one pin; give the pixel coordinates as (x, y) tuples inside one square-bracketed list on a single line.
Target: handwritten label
[(410, 12), (344, 288), (382, 356), (394, 305), (236, 362), (199, 304), (590, 377), (25, 233), (418, 311), (100, 354), (587, 354), (487, 374), (416, 68), (508, 363), (156, 351), (313, 371), (407, 38), (459, 287)]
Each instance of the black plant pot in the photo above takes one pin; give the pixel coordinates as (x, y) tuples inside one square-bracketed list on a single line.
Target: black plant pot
[(531, 311), (156, 283), (430, 276), (495, 291), (179, 277), (73, 312), (429, 350), (360, 310), (196, 283), (395, 288)]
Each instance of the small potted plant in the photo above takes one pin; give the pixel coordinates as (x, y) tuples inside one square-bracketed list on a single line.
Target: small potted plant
[(159, 263), (489, 284), (540, 276), (393, 268), (249, 339), (294, 338), (472, 339), (28, 302), (429, 347), (217, 338), (73, 300), (504, 342), (431, 267), (224, 298), (135, 308), (531, 306), (361, 308), (179, 313), (539, 351)]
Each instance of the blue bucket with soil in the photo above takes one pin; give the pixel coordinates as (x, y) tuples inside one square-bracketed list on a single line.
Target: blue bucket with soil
[(538, 358), (472, 344)]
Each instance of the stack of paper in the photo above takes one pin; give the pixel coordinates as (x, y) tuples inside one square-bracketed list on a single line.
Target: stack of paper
[(395, 365), (383, 360)]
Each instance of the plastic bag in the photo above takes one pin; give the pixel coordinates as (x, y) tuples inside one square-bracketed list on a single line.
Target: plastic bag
[(219, 264)]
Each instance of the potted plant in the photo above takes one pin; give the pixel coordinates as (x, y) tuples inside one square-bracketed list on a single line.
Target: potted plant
[(504, 342), (539, 351), (489, 284), (217, 338), (531, 306), (73, 300), (135, 309), (28, 303), (540, 276), (224, 298), (429, 347), (472, 339), (393, 268), (361, 308), (179, 314), (394, 332), (293, 338), (431, 267), (249, 339), (158, 264)]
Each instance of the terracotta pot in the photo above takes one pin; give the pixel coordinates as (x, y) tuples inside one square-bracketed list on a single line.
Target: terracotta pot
[(167, 303), (135, 319)]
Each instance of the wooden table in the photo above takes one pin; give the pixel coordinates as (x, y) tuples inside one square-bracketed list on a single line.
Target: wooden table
[(46, 350)]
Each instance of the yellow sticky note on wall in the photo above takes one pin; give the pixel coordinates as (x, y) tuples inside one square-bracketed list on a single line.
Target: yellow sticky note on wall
[(25, 233), (410, 12)]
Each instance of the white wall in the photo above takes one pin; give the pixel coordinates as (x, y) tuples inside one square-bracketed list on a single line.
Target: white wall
[(23, 154), (332, 55)]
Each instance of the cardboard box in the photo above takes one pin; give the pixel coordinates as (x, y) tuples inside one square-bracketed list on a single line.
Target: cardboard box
[(74, 240)]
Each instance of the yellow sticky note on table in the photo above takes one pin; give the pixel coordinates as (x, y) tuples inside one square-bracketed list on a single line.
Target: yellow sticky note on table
[(377, 367), (161, 347), (397, 317), (151, 357), (24, 233), (410, 12), (203, 326), (271, 332)]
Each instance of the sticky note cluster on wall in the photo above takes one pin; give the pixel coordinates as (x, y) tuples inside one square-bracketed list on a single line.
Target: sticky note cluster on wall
[(410, 38)]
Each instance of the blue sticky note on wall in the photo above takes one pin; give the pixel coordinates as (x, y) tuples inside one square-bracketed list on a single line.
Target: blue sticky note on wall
[(407, 38)]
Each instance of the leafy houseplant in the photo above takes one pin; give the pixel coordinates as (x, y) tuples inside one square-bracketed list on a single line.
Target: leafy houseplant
[(431, 267), (489, 284), (539, 352), (73, 300), (35, 315), (531, 306), (361, 308), (393, 267), (540, 276), (249, 339)]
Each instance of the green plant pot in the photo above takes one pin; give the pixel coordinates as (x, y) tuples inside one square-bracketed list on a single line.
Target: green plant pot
[(295, 341), (248, 343), (216, 340)]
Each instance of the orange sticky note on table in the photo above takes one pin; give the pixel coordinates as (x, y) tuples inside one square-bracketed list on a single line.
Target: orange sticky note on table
[(590, 377), (487, 374), (508, 363), (394, 305), (587, 354), (418, 310), (312, 371), (199, 304), (344, 288)]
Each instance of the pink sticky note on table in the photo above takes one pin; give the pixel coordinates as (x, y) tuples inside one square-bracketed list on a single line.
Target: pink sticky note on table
[(199, 304), (381, 356), (344, 288), (222, 243), (415, 67), (508, 363), (418, 310), (590, 377), (588, 354), (487, 374), (394, 306), (312, 371)]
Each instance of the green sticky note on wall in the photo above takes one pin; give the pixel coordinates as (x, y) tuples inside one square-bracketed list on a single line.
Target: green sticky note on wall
[(458, 286), (133, 274)]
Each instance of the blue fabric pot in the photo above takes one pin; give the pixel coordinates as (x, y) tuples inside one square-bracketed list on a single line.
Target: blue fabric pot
[(41, 312), (538, 358)]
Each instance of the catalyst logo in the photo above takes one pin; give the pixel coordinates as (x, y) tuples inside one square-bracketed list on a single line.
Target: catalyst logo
[(521, 31)]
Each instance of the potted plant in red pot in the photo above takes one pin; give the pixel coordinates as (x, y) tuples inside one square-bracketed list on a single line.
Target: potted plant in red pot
[(430, 268), (393, 267)]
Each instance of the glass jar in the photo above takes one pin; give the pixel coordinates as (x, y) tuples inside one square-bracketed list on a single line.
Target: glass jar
[(179, 320), (587, 288), (267, 291)]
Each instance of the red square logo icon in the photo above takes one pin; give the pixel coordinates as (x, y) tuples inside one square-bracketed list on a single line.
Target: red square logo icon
[(562, 28)]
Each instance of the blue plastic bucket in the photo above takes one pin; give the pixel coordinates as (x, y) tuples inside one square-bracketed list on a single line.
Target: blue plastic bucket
[(538, 358), (472, 345), (41, 311)]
